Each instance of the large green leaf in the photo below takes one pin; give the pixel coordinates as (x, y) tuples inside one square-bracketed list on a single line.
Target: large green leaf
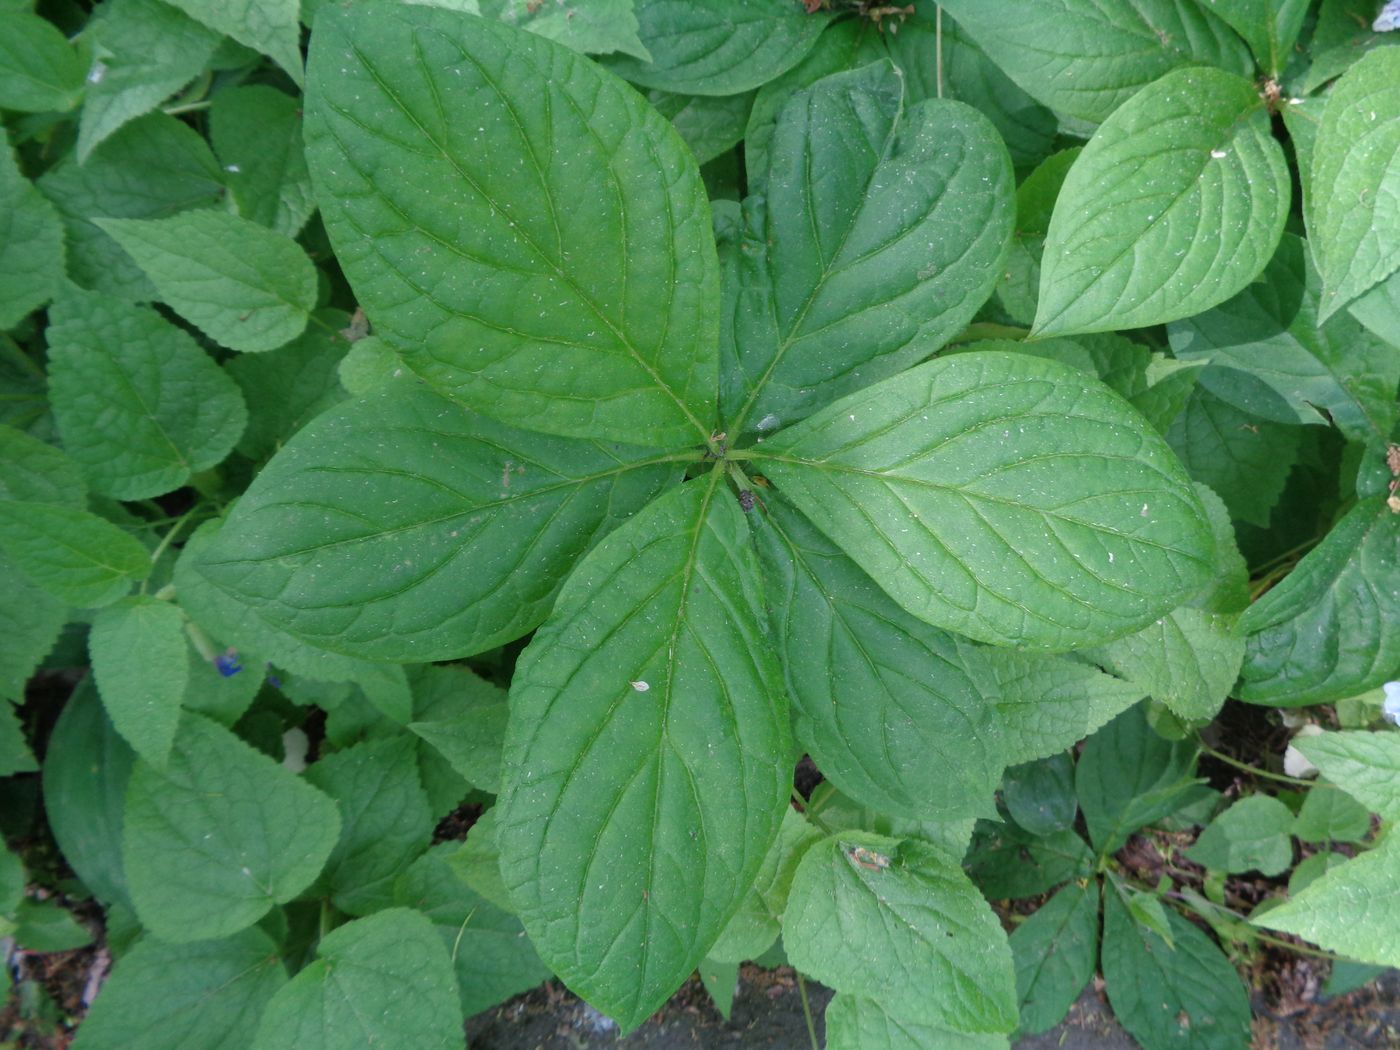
[(1355, 194), (937, 482), (1365, 765), (220, 835), (76, 556), (483, 267), (899, 922), (381, 981), (140, 660), (856, 1023), (718, 47), (885, 704), (452, 539), (269, 26), (1176, 203), (647, 759), (1056, 950), (139, 404), (208, 994), (256, 131), (884, 233), (39, 69), (31, 242), (1088, 57), (1328, 630)]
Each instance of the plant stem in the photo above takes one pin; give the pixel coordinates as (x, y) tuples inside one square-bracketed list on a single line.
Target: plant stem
[(165, 541), (938, 46), (1256, 771), (807, 1010)]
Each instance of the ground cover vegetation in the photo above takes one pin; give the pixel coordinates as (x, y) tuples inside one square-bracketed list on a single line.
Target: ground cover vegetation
[(555, 419)]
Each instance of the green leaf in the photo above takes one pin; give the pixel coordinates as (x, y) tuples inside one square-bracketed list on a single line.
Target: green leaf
[(595, 27), (478, 862), (1356, 181), (1354, 909), (269, 26), (471, 733), (245, 286), (1379, 309), (86, 770), (710, 126), (721, 980), (437, 693), (1129, 777), (385, 821), (152, 167), (140, 406), (888, 707), (77, 557), (876, 263), (386, 979), (1185, 994), (31, 243), (30, 622), (1270, 27), (15, 756), (1050, 703), (256, 131), (1176, 203), (1252, 835), (143, 52), (1269, 357), (172, 996), (11, 881), (39, 70), (47, 927), (1364, 765), (219, 836), (857, 1023), (1019, 285), (493, 958), (31, 469), (755, 926), (140, 660), (618, 342), (1088, 57), (1039, 796), (1327, 631), (717, 47), (1056, 950), (1008, 863), (898, 921), (1332, 816), (453, 539), (921, 481), (647, 761)]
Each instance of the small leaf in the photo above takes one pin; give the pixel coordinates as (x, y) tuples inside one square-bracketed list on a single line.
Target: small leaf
[(648, 761), (1333, 816), (755, 926), (1039, 796), (173, 996), (1008, 863), (384, 979), (1356, 181), (31, 243), (77, 557), (1252, 835), (39, 70), (471, 731), (897, 921), (721, 980), (269, 26), (256, 131), (1176, 203), (219, 836), (1055, 951), (710, 126), (937, 484), (140, 660), (47, 927), (1364, 765), (242, 285), (1270, 26)]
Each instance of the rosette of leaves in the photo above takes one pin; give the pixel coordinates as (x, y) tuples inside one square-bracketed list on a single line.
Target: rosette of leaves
[(597, 385)]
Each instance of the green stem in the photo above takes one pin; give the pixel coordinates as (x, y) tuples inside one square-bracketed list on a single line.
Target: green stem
[(165, 541), (188, 107), (807, 1010), (1182, 904), (1256, 771)]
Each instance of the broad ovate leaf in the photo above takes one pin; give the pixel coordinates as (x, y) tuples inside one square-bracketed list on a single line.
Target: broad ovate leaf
[(405, 527), (74, 555), (1013, 500), (857, 1023), (140, 659), (647, 760), (1176, 203), (1055, 951), (269, 26), (531, 236)]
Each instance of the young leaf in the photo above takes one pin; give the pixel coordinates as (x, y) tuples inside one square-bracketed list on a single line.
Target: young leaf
[(647, 761), (1252, 835), (173, 996), (938, 483), (755, 926), (890, 712), (1333, 816), (39, 70), (1364, 765), (140, 660), (898, 922), (1088, 57), (483, 270), (1055, 951), (256, 131), (77, 557), (269, 26), (219, 836), (1183, 994), (717, 47), (1356, 181), (31, 243), (856, 1023), (247, 287), (386, 979), (1039, 796), (1176, 203), (1326, 632), (453, 539), (879, 261), (1271, 27), (139, 405)]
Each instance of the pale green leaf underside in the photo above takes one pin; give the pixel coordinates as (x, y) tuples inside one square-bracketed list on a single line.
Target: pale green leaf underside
[(647, 760), (1354, 199), (1088, 57), (31, 243), (1176, 203), (1012, 500), (140, 659), (219, 836), (900, 923), (448, 155), (1365, 765), (76, 556), (403, 527)]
